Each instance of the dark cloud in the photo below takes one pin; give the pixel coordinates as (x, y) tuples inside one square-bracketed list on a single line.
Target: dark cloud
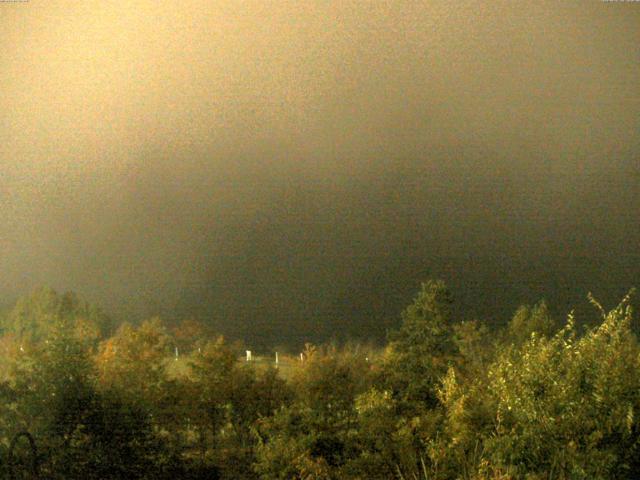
[(294, 169)]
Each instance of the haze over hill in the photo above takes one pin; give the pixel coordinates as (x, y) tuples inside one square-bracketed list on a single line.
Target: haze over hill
[(293, 169)]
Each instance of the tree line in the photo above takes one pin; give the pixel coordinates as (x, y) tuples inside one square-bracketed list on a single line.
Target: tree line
[(443, 399)]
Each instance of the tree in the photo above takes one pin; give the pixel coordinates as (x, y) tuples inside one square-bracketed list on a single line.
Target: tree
[(134, 360), (53, 395), (528, 320), (420, 352), (566, 405), (313, 437), (190, 334), (34, 316)]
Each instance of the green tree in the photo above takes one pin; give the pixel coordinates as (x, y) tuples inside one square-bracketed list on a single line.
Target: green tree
[(225, 401), (566, 405), (134, 360), (313, 437), (34, 316), (528, 320), (80, 431), (420, 352)]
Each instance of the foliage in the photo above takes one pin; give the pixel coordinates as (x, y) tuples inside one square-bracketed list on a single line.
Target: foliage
[(445, 400), (419, 352), (566, 405), (34, 316), (133, 360), (80, 431), (528, 320), (313, 436)]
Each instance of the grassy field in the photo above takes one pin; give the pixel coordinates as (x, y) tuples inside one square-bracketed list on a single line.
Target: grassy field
[(287, 365)]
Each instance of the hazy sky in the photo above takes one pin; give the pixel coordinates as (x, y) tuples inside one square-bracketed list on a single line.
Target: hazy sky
[(295, 168)]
